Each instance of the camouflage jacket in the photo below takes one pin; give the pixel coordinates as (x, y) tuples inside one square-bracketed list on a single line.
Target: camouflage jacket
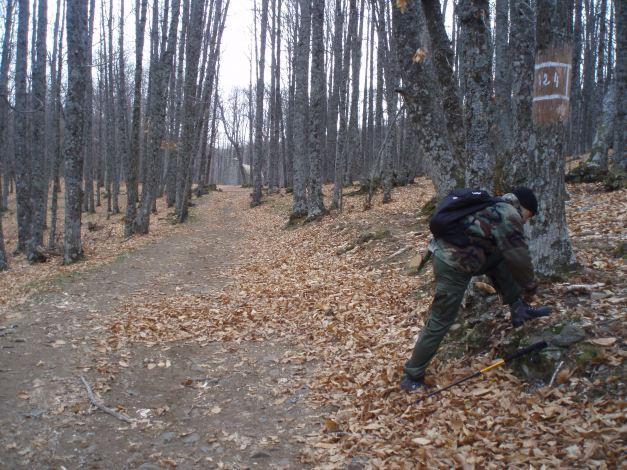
[(495, 229)]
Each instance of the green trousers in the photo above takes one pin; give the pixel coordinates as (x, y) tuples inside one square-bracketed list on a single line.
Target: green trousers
[(450, 285)]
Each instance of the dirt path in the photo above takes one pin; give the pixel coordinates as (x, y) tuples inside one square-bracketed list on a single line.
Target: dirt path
[(198, 407)]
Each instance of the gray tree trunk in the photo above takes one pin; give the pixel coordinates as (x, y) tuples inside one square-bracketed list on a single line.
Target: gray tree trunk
[(122, 115), (474, 17), (301, 113), (4, 115), (549, 240), (423, 99), (575, 127), (57, 150), (619, 159), (155, 122), (258, 152), (273, 147), (604, 132), (77, 45), (334, 98), (342, 136), (134, 154), (353, 161), (88, 200), (502, 83), (443, 59), (391, 84), (318, 106), (22, 156), (39, 177), (289, 125), (524, 143), (192, 55)]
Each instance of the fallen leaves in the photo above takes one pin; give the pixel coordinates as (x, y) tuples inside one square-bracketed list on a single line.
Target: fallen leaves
[(603, 341), (419, 55), (353, 319)]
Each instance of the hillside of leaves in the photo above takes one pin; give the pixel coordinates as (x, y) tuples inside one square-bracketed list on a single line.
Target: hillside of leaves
[(339, 291)]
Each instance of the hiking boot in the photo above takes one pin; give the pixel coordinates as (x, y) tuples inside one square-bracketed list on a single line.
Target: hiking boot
[(521, 312), (410, 385)]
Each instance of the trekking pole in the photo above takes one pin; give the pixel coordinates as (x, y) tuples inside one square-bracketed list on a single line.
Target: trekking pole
[(522, 352)]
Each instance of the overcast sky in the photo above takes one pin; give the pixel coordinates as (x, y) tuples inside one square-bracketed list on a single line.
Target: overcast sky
[(236, 45)]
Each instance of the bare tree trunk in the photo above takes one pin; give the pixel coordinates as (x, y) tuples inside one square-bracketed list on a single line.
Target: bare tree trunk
[(4, 115), (516, 168), (575, 126), (290, 117), (258, 153), (133, 163), (422, 98), (502, 84), (22, 156), (334, 99), (550, 243), (342, 136), (156, 120), (477, 58), (75, 117), (190, 85), (391, 83), (301, 113), (122, 115), (88, 199), (39, 178), (318, 104), (354, 150), (618, 162), (443, 59), (57, 151)]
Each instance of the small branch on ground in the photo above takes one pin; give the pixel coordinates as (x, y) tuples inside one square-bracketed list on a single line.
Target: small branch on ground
[(98, 404), (583, 287)]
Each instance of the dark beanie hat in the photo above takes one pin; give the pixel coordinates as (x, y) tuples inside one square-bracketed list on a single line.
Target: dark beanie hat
[(526, 198)]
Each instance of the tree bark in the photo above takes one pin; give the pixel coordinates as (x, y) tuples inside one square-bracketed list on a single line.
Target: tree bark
[(340, 153), (57, 150), (22, 156), (75, 117), (443, 59), (502, 83), (155, 122), (88, 199), (474, 17), (258, 152), (517, 166), (4, 115), (133, 162), (549, 240), (190, 86), (39, 178), (301, 113), (318, 105), (618, 161), (423, 99)]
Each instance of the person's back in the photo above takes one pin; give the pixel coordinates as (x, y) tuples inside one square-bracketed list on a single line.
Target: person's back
[(492, 242), (498, 228)]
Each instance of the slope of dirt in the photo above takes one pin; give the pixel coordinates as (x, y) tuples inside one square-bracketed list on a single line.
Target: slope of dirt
[(209, 404)]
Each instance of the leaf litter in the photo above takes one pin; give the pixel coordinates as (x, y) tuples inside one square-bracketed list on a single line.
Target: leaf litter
[(352, 318)]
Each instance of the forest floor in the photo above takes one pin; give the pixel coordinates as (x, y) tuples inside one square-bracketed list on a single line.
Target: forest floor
[(234, 341)]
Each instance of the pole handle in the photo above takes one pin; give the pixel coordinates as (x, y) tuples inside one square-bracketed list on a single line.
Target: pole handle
[(522, 352)]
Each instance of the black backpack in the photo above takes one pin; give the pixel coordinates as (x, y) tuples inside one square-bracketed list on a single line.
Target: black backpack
[(445, 222)]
